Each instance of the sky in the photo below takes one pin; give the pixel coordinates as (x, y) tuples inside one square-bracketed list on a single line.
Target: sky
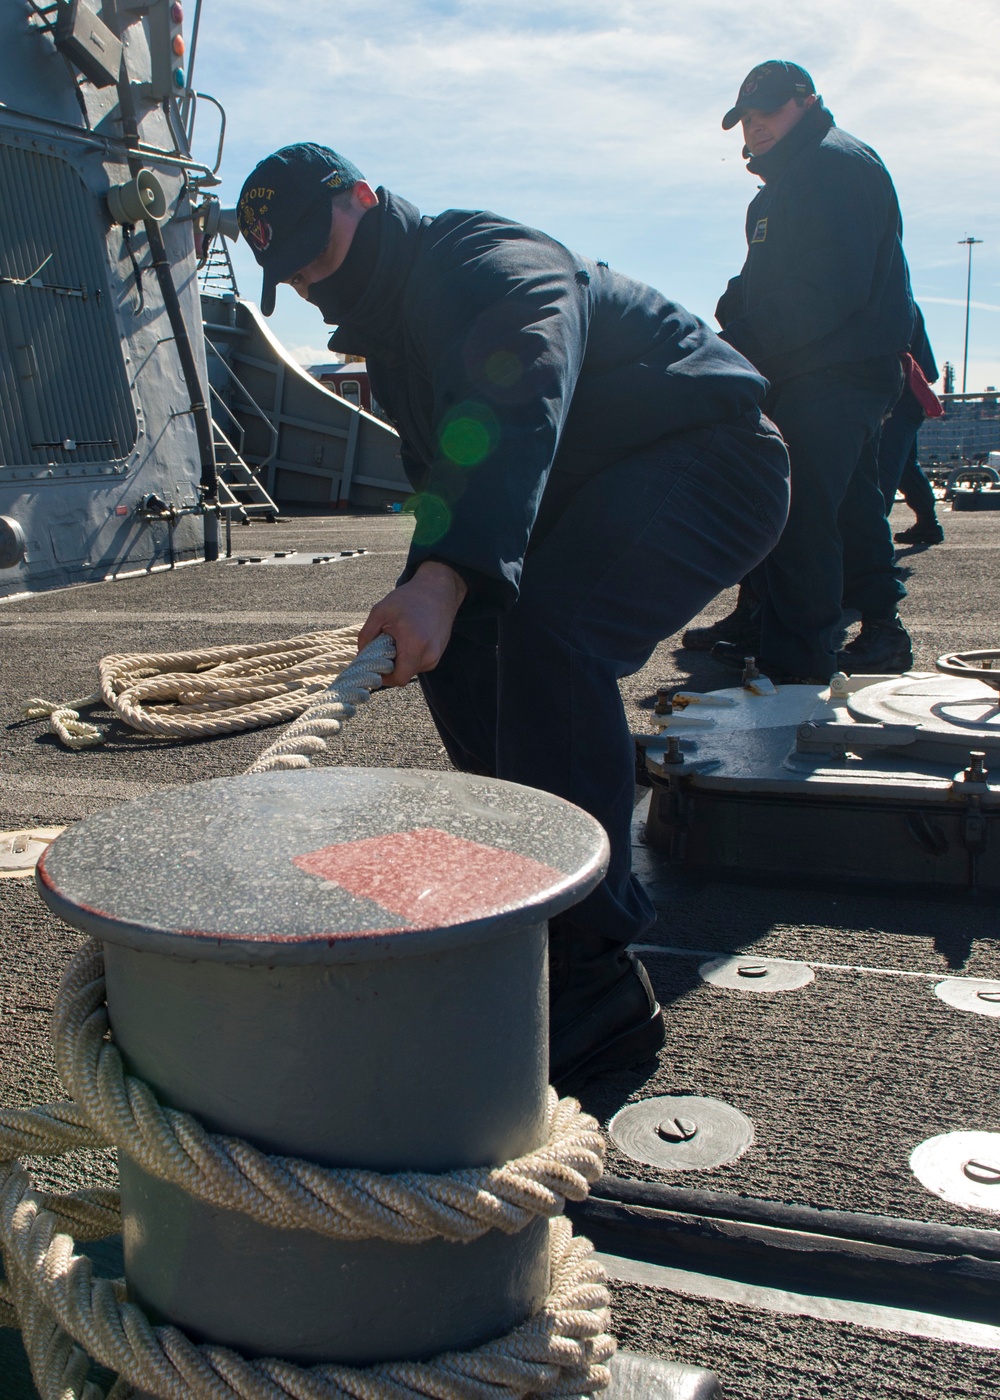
[(601, 125)]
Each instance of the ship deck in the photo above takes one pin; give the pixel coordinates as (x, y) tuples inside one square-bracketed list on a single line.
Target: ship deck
[(841, 1079)]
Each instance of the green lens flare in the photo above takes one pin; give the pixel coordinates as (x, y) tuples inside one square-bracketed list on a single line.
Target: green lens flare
[(504, 369), (433, 518), (469, 434), (465, 441)]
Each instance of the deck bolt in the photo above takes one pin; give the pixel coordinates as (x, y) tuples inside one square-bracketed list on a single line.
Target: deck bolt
[(673, 753), (976, 771), (664, 704), (750, 671), (985, 1173), (677, 1129)]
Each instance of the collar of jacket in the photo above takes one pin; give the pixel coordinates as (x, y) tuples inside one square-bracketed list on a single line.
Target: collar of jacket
[(808, 132), (372, 325)]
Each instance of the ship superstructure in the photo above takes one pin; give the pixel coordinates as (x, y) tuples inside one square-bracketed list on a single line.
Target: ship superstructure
[(96, 412), (121, 428)]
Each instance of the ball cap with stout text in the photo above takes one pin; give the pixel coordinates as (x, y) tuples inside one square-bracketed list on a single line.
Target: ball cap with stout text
[(284, 210)]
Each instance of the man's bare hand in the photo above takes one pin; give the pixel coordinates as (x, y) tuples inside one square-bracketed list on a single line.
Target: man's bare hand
[(418, 615)]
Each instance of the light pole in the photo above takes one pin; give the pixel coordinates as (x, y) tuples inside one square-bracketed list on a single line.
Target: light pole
[(968, 294)]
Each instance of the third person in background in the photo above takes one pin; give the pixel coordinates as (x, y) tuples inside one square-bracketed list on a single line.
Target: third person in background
[(823, 308), (898, 467)]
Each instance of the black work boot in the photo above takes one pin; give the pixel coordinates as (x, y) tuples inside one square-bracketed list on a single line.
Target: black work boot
[(602, 1011), (741, 625), (881, 647), (921, 532)]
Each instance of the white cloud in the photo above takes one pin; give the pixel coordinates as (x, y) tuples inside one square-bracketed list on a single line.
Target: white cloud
[(601, 124), (957, 301), (310, 354)]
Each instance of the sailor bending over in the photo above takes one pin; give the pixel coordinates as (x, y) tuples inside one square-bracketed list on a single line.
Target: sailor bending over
[(590, 468)]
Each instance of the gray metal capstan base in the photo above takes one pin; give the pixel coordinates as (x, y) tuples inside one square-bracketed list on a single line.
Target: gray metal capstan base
[(346, 965)]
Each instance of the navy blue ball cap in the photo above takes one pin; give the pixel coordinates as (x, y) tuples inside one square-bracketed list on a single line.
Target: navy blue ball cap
[(284, 210), (767, 87)]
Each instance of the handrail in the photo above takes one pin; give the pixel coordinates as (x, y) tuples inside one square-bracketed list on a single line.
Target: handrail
[(240, 385), (237, 447)]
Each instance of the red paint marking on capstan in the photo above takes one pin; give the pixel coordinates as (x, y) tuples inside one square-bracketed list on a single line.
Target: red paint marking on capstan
[(430, 877)]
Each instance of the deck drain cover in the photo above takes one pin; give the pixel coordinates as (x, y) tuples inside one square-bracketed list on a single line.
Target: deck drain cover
[(750, 974), (681, 1133), (963, 1168), (968, 994)]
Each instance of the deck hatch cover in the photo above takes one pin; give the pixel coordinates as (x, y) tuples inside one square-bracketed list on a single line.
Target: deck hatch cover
[(64, 393)]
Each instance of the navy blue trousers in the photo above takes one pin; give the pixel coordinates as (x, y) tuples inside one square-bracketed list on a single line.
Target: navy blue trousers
[(836, 549), (897, 444), (629, 558), (917, 490), (898, 468)]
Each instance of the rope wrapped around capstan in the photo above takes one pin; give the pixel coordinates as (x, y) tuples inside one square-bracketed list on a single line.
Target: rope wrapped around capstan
[(68, 1315)]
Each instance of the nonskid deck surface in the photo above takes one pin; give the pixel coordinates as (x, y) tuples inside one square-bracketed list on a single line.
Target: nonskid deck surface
[(841, 1079)]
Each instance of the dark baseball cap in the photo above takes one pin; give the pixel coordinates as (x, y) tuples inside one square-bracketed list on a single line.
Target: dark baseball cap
[(284, 210), (767, 87)]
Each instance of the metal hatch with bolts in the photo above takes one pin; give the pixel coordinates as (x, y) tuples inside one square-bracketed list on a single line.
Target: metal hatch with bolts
[(872, 780)]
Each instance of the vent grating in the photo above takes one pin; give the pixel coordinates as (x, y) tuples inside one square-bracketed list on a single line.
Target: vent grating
[(64, 395)]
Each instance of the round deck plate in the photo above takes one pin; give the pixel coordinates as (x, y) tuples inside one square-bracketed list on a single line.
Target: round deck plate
[(963, 1168), (956, 714), (721, 1133), (21, 850), (749, 974), (968, 994)]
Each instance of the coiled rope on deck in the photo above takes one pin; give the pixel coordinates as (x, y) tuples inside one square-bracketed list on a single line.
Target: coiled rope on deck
[(211, 690), (67, 1314)]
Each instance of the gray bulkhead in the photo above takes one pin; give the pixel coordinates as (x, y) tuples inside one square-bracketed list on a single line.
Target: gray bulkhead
[(94, 411), (309, 447)]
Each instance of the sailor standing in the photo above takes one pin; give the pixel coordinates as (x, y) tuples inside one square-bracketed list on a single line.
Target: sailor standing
[(822, 307), (590, 468)]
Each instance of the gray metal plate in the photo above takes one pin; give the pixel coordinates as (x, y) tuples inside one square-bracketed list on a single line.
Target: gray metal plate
[(963, 1168), (749, 974), (734, 741), (969, 994), (681, 1132), (955, 714)]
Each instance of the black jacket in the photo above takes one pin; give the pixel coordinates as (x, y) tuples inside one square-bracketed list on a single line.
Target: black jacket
[(825, 281), (513, 368)]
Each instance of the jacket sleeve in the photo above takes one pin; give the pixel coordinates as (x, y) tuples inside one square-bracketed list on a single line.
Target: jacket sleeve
[(838, 215), (501, 317), (730, 304)]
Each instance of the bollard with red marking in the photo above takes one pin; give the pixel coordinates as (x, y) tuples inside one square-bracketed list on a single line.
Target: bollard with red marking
[(344, 965)]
